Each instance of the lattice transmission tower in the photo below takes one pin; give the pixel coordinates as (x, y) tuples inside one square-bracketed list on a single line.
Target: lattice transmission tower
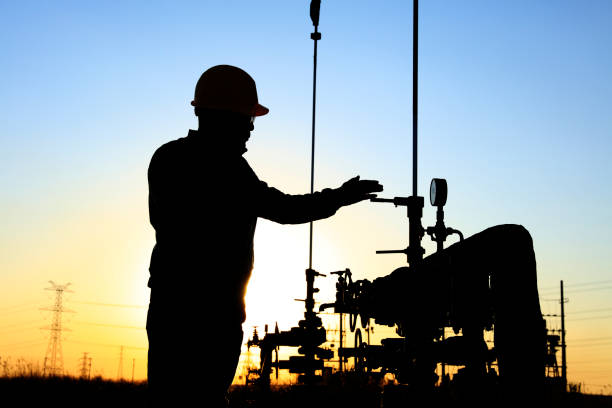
[(54, 359), (120, 370), (85, 368)]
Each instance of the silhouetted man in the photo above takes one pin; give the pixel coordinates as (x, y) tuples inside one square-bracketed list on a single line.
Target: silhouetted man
[(204, 201)]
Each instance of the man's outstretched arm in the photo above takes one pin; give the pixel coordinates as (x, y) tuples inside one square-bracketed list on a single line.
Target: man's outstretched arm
[(277, 206)]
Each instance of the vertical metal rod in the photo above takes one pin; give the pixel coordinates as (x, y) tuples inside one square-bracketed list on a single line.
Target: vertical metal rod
[(415, 94), (312, 157)]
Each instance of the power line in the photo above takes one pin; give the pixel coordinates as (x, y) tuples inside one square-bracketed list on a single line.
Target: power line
[(607, 344), (606, 309), (117, 326), (106, 345), (591, 318), (20, 330), (591, 289), (18, 306), (593, 371), (110, 304), (26, 343), (571, 291), (593, 361), (554, 288), (21, 323), (592, 339)]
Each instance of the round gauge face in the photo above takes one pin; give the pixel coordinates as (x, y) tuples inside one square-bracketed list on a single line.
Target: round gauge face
[(438, 192), (432, 192)]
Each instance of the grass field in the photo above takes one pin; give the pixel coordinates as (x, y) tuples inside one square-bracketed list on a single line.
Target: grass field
[(70, 392)]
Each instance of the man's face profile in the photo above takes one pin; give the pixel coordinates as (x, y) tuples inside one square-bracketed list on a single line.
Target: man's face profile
[(239, 128), (229, 129)]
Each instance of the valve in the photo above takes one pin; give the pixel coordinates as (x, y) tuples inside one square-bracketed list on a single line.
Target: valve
[(414, 205), (438, 193)]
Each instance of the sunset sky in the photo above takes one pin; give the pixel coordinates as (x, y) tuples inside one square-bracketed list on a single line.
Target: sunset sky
[(515, 112)]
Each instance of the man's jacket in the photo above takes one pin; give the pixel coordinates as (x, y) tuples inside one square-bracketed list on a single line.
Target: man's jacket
[(204, 206)]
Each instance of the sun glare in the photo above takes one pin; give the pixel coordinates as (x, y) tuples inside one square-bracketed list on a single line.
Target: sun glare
[(278, 275)]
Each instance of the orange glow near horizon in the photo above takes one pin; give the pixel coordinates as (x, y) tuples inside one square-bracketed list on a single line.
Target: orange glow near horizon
[(102, 324), (109, 274)]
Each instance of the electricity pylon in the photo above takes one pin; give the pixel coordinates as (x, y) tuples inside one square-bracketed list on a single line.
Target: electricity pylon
[(54, 359), (120, 370), (85, 370)]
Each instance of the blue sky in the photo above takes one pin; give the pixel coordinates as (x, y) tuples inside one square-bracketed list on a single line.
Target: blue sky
[(515, 102)]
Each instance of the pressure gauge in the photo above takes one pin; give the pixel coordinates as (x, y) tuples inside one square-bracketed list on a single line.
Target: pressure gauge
[(438, 192)]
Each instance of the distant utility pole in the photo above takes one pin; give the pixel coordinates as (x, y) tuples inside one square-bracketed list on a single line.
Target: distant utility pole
[(54, 359), (563, 345), (120, 370)]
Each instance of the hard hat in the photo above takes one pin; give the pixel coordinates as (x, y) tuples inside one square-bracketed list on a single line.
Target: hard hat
[(226, 87)]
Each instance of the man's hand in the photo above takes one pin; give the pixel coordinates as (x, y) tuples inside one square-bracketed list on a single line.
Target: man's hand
[(355, 190)]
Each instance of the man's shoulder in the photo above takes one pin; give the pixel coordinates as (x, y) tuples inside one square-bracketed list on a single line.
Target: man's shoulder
[(171, 147), (171, 150)]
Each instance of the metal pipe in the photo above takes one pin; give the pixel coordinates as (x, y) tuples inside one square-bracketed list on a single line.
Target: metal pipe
[(314, 15), (415, 94)]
